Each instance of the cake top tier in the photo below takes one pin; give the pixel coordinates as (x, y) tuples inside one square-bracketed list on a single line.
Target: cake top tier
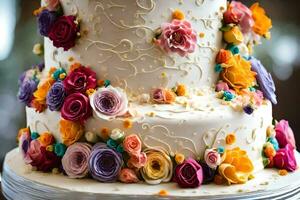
[(142, 44)]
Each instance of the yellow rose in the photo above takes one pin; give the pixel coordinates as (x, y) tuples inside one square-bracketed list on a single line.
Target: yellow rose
[(70, 132), (262, 23), (41, 93), (236, 167), (158, 168), (237, 73), (234, 36)]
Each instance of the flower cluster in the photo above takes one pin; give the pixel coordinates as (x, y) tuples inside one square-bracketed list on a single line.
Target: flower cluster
[(279, 149), (40, 150), (60, 29), (177, 36)]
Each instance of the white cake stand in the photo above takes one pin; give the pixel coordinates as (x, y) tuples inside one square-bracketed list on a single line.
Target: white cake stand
[(20, 182)]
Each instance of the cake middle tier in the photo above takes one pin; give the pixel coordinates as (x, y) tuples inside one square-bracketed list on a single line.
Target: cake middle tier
[(177, 128), (117, 42)]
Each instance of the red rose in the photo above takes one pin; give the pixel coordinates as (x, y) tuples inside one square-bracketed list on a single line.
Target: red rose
[(63, 32), (80, 80), (76, 108)]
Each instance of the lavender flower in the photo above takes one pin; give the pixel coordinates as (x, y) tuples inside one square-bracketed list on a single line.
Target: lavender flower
[(109, 102), (264, 80), (45, 20), (56, 96), (104, 163), (26, 91)]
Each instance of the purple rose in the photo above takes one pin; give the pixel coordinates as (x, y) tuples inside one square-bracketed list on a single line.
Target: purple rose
[(284, 134), (264, 80), (109, 102), (285, 158), (189, 174), (104, 163), (208, 173), (45, 21), (76, 108), (56, 96), (75, 160), (26, 90)]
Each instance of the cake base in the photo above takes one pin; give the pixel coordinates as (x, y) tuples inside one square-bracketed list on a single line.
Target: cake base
[(20, 182)]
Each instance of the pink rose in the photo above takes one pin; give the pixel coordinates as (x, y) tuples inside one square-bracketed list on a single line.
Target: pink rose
[(137, 161), (76, 108), (222, 86), (212, 158), (80, 80), (238, 13), (284, 134), (132, 145), (128, 176), (285, 158), (63, 32), (34, 153), (52, 5), (189, 174), (178, 36)]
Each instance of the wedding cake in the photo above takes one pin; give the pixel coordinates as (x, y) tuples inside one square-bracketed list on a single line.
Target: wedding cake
[(152, 91)]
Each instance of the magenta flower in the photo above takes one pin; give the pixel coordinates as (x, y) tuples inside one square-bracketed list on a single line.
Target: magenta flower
[(285, 158), (189, 174), (284, 134), (178, 37)]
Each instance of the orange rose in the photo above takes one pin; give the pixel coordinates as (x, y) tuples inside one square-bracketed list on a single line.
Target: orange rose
[(237, 73), (262, 24), (170, 97), (41, 93), (236, 167), (70, 132), (181, 90), (224, 56), (46, 139)]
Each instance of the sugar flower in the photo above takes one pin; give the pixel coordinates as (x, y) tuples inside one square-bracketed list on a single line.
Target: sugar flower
[(262, 23), (104, 163), (64, 32), (212, 158), (70, 132), (238, 13), (178, 37), (284, 134), (264, 80), (80, 80), (26, 91), (76, 108), (56, 96), (108, 103), (137, 161), (75, 160), (128, 176), (45, 21), (132, 144), (52, 4), (40, 94), (285, 158), (163, 96), (158, 168), (234, 36), (24, 142), (189, 174)]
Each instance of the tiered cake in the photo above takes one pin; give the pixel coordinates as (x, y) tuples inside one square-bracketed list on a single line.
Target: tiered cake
[(154, 91)]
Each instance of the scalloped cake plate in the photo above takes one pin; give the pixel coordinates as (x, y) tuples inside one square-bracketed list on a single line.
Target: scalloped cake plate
[(20, 182)]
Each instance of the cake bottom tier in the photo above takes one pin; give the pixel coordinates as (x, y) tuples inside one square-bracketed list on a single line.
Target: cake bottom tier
[(178, 128), (20, 182)]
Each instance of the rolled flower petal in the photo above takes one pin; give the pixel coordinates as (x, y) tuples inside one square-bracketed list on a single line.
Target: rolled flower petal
[(56, 96), (158, 168), (285, 158), (284, 134), (76, 108), (189, 174), (104, 163), (264, 80), (178, 37), (128, 176), (212, 158), (75, 160), (109, 102)]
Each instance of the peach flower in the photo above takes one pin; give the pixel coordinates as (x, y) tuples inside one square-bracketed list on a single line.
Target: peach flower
[(137, 161), (132, 144), (128, 176)]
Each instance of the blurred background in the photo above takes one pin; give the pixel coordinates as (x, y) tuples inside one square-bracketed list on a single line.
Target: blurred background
[(18, 34)]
